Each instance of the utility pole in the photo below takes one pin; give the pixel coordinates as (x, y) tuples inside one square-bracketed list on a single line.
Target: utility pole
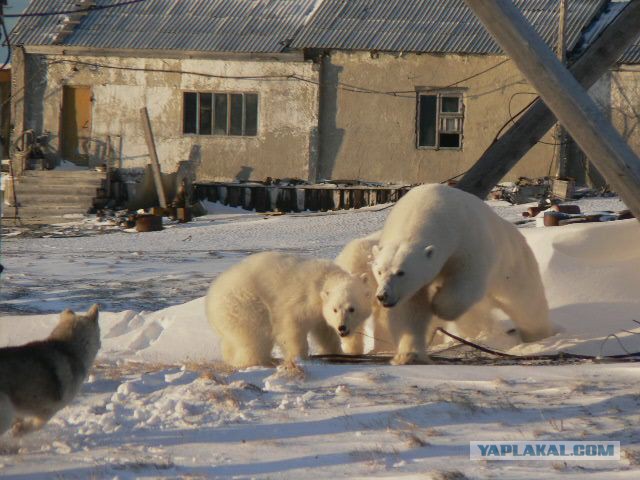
[(562, 93), (560, 136)]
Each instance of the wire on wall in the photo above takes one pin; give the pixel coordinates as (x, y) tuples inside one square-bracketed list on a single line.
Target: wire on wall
[(5, 33), (342, 86)]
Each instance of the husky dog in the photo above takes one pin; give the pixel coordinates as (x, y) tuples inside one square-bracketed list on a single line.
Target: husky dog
[(40, 378)]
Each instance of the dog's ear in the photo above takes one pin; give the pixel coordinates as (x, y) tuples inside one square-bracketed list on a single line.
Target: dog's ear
[(92, 314), (67, 315)]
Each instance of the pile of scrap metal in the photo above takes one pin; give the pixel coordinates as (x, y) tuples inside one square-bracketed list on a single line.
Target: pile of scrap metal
[(32, 152), (544, 190), (121, 218), (150, 220), (182, 210), (525, 190), (557, 215)]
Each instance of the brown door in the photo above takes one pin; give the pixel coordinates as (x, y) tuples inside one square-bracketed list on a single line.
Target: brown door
[(76, 124)]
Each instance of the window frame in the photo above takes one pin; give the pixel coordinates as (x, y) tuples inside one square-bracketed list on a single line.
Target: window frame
[(228, 94), (440, 116)]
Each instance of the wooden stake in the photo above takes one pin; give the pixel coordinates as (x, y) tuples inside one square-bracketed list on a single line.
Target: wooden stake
[(565, 97), (108, 165), (153, 154)]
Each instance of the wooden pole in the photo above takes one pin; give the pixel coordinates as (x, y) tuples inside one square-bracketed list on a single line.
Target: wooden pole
[(560, 135), (153, 154), (108, 165), (565, 97), (532, 125), (562, 26)]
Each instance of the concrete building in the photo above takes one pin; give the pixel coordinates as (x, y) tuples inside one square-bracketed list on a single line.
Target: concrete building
[(394, 91), (433, 88), (624, 100), (217, 78)]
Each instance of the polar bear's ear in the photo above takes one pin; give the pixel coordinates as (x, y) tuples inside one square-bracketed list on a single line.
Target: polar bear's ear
[(428, 251), (375, 250)]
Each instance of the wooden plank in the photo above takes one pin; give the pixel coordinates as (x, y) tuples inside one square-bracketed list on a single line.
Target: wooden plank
[(504, 153), (153, 154)]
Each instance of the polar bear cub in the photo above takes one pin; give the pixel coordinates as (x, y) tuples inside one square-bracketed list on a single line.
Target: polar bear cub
[(275, 298), (403, 329), (438, 236), (356, 258)]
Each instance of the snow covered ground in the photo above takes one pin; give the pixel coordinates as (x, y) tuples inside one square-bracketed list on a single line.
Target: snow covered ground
[(160, 404)]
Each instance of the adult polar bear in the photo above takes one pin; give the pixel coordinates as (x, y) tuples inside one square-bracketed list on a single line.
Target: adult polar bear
[(356, 258), (443, 237)]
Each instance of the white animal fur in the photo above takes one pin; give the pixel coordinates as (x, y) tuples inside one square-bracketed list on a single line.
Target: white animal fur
[(274, 298)]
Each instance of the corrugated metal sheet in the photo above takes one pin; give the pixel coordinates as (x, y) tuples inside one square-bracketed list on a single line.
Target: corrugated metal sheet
[(203, 25), (632, 55), (437, 26)]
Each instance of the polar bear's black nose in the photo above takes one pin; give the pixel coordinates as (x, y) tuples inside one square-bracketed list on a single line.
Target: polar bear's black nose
[(342, 328)]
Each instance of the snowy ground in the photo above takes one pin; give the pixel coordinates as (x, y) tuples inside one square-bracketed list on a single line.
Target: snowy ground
[(159, 404)]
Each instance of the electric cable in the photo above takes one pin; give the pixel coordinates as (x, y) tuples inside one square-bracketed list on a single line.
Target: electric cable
[(78, 10)]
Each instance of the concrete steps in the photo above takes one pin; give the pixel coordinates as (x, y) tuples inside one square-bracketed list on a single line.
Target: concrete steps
[(47, 196)]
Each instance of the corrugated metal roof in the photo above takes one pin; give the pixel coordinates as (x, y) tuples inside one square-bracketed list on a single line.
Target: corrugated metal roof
[(203, 25), (437, 26), (632, 55)]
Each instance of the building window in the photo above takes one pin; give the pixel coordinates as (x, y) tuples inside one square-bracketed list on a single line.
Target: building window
[(440, 120), (220, 114)]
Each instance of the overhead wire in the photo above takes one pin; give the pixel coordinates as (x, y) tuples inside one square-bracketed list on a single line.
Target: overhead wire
[(3, 26), (342, 86), (77, 10), (513, 117)]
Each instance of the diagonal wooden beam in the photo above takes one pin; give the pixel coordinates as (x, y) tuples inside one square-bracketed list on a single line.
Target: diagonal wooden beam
[(503, 154)]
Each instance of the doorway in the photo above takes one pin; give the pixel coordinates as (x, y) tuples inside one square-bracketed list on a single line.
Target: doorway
[(76, 124)]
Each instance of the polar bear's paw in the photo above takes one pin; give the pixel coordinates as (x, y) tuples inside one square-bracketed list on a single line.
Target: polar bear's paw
[(404, 358), (408, 358)]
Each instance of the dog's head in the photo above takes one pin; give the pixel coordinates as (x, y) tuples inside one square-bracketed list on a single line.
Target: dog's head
[(82, 331)]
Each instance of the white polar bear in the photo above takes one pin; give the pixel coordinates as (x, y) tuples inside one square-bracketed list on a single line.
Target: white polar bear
[(440, 237), (356, 258), (279, 298)]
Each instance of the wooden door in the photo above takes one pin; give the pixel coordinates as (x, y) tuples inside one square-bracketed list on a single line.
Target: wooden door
[(76, 124)]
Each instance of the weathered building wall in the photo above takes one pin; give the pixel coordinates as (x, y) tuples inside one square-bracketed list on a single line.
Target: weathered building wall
[(5, 110), (287, 114), (359, 135), (373, 136), (625, 103)]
